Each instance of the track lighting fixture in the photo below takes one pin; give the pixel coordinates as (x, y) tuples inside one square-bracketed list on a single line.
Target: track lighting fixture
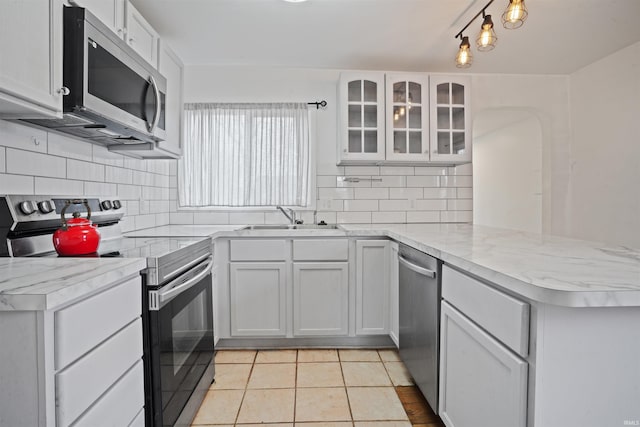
[(513, 17), (464, 58), (487, 38)]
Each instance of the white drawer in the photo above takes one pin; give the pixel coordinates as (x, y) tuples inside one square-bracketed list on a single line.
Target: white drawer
[(82, 383), (120, 404), (258, 250), (84, 325), (321, 250), (503, 316)]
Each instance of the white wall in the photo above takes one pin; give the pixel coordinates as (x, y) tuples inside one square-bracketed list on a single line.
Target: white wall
[(33, 161), (605, 167), (507, 170), (406, 194)]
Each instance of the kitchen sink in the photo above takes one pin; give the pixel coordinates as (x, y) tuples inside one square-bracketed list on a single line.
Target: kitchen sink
[(292, 227)]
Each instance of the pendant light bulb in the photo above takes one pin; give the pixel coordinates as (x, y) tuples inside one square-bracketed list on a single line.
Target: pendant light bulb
[(464, 58), (487, 38), (514, 15)]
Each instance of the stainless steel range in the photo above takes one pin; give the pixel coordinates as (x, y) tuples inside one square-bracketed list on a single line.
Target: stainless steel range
[(177, 295)]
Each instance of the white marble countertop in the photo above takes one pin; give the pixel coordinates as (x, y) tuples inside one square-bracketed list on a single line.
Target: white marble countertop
[(48, 283), (183, 230)]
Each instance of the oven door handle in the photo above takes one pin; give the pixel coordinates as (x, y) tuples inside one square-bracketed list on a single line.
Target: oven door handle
[(159, 298)]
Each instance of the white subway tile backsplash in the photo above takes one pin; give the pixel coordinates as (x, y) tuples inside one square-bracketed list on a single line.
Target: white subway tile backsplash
[(456, 181), (405, 193), (87, 171), (465, 193), (326, 181), (3, 159), (132, 207), (459, 205), (456, 216), (59, 145), (371, 193), (181, 218), (30, 163), (211, 218), (145, 221), (246, 218), (466, 169), (129, 192), (328, 217), (128, 223), (154, 193), (397, 205), (390, 181), (173, 168), (362, 170), (143, 178), (329, 205), (431, 205), (159, 206), (423, 216), (22, 137), (16, 184), (439, 193), (423, 181), (360, 205), (162, 219), (118, 175), (100, 189), (58, 187), (353, 217), (136, 164), (396, 170), (431, 170), (388, 217), (335, 193)]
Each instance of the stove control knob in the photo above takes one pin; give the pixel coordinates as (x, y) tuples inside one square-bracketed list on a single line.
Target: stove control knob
[(46, 206), (106, 205), (28, 207), (117, 204)]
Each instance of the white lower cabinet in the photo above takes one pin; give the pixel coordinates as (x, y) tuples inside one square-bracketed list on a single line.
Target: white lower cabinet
[(75, 365), (482, 382), (320, 298), (258, 298), (372, 287)]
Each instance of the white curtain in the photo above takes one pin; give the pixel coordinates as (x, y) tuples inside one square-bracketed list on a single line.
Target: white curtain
[(245, 155)]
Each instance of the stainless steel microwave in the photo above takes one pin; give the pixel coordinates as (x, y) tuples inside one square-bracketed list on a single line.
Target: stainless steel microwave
[(115, 97)]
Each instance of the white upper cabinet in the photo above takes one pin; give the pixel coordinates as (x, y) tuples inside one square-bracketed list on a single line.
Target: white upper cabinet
[(171, 67), (141, 36), (407, 117), (403, 118), (31, 59), (110, 12), (125, 20), (361, 121), (450, 119)]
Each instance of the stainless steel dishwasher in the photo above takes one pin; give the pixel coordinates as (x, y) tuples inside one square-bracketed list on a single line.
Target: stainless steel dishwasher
[(420, 290)]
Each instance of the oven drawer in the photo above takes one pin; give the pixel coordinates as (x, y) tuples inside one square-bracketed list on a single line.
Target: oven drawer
[(120, 404), (258, 250), (503, 316), (84, 325), (321, 250), (82, 383)]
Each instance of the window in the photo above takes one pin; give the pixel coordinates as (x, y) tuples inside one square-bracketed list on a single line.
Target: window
[(245, 155)]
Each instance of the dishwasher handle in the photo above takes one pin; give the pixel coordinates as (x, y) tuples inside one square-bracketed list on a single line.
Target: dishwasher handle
[(413, 267)]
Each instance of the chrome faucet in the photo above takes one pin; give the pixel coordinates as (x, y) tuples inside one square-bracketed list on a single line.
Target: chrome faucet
[(291, 216)]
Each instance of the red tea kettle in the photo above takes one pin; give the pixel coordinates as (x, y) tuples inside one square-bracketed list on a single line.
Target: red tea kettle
[(77, 236)]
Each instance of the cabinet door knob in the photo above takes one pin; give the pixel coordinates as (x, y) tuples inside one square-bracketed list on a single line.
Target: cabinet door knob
[(131, 40), (64, 91)]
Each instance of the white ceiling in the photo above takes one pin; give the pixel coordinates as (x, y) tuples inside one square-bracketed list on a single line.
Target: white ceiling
[(559, 37)]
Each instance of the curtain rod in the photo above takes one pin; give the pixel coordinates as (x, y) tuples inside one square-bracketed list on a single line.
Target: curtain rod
[(318, 104)]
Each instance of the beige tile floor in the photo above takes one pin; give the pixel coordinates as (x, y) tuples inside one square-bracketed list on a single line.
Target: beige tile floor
[(311, 388)]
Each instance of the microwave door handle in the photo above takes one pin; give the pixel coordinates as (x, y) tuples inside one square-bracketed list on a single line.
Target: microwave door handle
[(156, 117), (160, 298)]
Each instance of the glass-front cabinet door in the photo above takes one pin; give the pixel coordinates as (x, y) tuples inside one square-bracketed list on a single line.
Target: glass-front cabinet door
[(450, 119), (361, 98), (407, 117)]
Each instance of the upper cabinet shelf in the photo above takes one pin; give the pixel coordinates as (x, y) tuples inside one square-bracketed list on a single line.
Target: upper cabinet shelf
[(403, 118)]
